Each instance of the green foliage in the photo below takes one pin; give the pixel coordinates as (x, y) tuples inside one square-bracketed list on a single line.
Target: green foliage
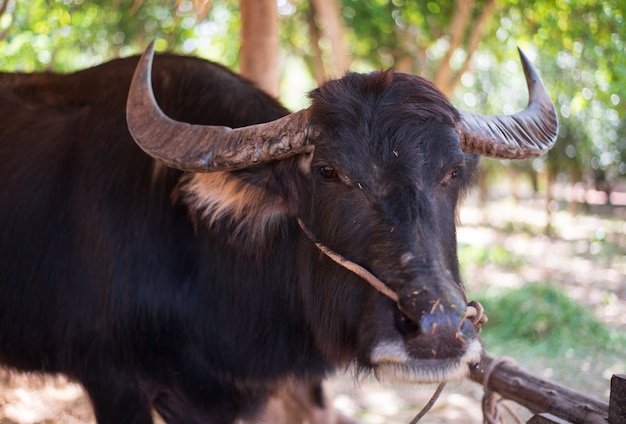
[(542, 318), (484, 255), (64, 35), (552, 335), (580, 52), (577, 45), (383, 33)]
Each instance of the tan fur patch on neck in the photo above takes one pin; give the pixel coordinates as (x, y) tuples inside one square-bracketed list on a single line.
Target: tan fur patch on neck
[(223, 197)]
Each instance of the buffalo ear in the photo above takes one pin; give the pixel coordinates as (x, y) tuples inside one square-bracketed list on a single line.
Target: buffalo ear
[(289, 177), (247, 202)]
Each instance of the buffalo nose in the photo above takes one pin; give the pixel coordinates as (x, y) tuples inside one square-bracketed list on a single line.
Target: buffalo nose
[(405, 325), (434, 328), (439, 322)]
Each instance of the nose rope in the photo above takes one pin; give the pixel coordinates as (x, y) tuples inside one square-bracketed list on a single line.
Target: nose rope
[(429, 405), (474, 311), (350, 266)]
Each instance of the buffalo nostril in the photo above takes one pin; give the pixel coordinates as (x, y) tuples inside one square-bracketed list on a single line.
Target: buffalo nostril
[(404, 324)]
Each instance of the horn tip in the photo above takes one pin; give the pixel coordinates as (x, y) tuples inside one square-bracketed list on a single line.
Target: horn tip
[(149, 52), (529, 70)]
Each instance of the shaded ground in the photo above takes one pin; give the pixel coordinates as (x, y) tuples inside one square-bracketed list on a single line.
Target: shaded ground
[(586, 256)]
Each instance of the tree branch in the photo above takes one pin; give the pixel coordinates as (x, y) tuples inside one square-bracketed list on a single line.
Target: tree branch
[(3, 9), (316, 64), (475, 36), (537, 394), (403, 60), (458, 26)]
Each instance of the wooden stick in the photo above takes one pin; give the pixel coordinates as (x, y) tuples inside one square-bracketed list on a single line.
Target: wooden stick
[(539, 395)]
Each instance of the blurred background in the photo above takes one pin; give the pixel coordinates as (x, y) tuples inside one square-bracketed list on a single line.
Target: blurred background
[(542, 242)]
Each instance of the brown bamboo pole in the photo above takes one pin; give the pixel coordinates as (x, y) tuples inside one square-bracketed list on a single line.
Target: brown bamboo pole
[(537, 394)]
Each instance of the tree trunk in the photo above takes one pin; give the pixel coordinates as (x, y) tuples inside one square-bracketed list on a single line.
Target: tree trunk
[(445, 78), (316, 64), (474, 37), (258, 58), (3, 9), (458, 27), (328, 18), (403, 61)]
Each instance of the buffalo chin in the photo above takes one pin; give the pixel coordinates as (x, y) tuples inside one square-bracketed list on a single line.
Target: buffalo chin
[(400, 368)]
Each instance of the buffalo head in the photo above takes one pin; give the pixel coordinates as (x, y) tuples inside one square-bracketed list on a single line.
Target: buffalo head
[(373, 170)]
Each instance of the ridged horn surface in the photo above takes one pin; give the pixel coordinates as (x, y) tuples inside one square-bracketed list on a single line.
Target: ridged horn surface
[(528, 133), (205, 148)]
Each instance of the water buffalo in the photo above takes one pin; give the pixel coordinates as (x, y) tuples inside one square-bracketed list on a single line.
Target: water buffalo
[(175, 263)]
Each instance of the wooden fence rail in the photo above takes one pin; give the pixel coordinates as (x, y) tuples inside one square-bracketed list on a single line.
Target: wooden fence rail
[(551, 402)]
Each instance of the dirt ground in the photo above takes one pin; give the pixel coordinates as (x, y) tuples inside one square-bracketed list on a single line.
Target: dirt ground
[(34, 399), (572, 258)]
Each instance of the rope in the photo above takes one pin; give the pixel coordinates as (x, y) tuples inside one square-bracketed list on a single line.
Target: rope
[(476, 313), (351, 266), (429, 405), (491, 405)]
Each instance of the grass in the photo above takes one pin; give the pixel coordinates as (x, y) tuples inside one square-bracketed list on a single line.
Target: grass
[(555, 304), (541, 314), (552, 335)]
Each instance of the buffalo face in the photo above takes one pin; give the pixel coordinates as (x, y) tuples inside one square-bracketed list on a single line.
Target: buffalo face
[(373, 171), (385, 179)]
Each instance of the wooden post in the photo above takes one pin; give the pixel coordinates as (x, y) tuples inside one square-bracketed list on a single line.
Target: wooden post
[(540, 395), (546, 418), (617, 401)]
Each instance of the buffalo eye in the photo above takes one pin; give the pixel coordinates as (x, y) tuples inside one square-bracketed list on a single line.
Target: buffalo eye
[(452, 175), (328, 172)]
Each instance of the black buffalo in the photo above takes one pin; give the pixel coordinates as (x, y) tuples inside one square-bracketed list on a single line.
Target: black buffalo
[(173, 271)]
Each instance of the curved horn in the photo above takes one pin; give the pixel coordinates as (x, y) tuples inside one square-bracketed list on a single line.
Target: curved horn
[(531, 132), (203, 148)]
